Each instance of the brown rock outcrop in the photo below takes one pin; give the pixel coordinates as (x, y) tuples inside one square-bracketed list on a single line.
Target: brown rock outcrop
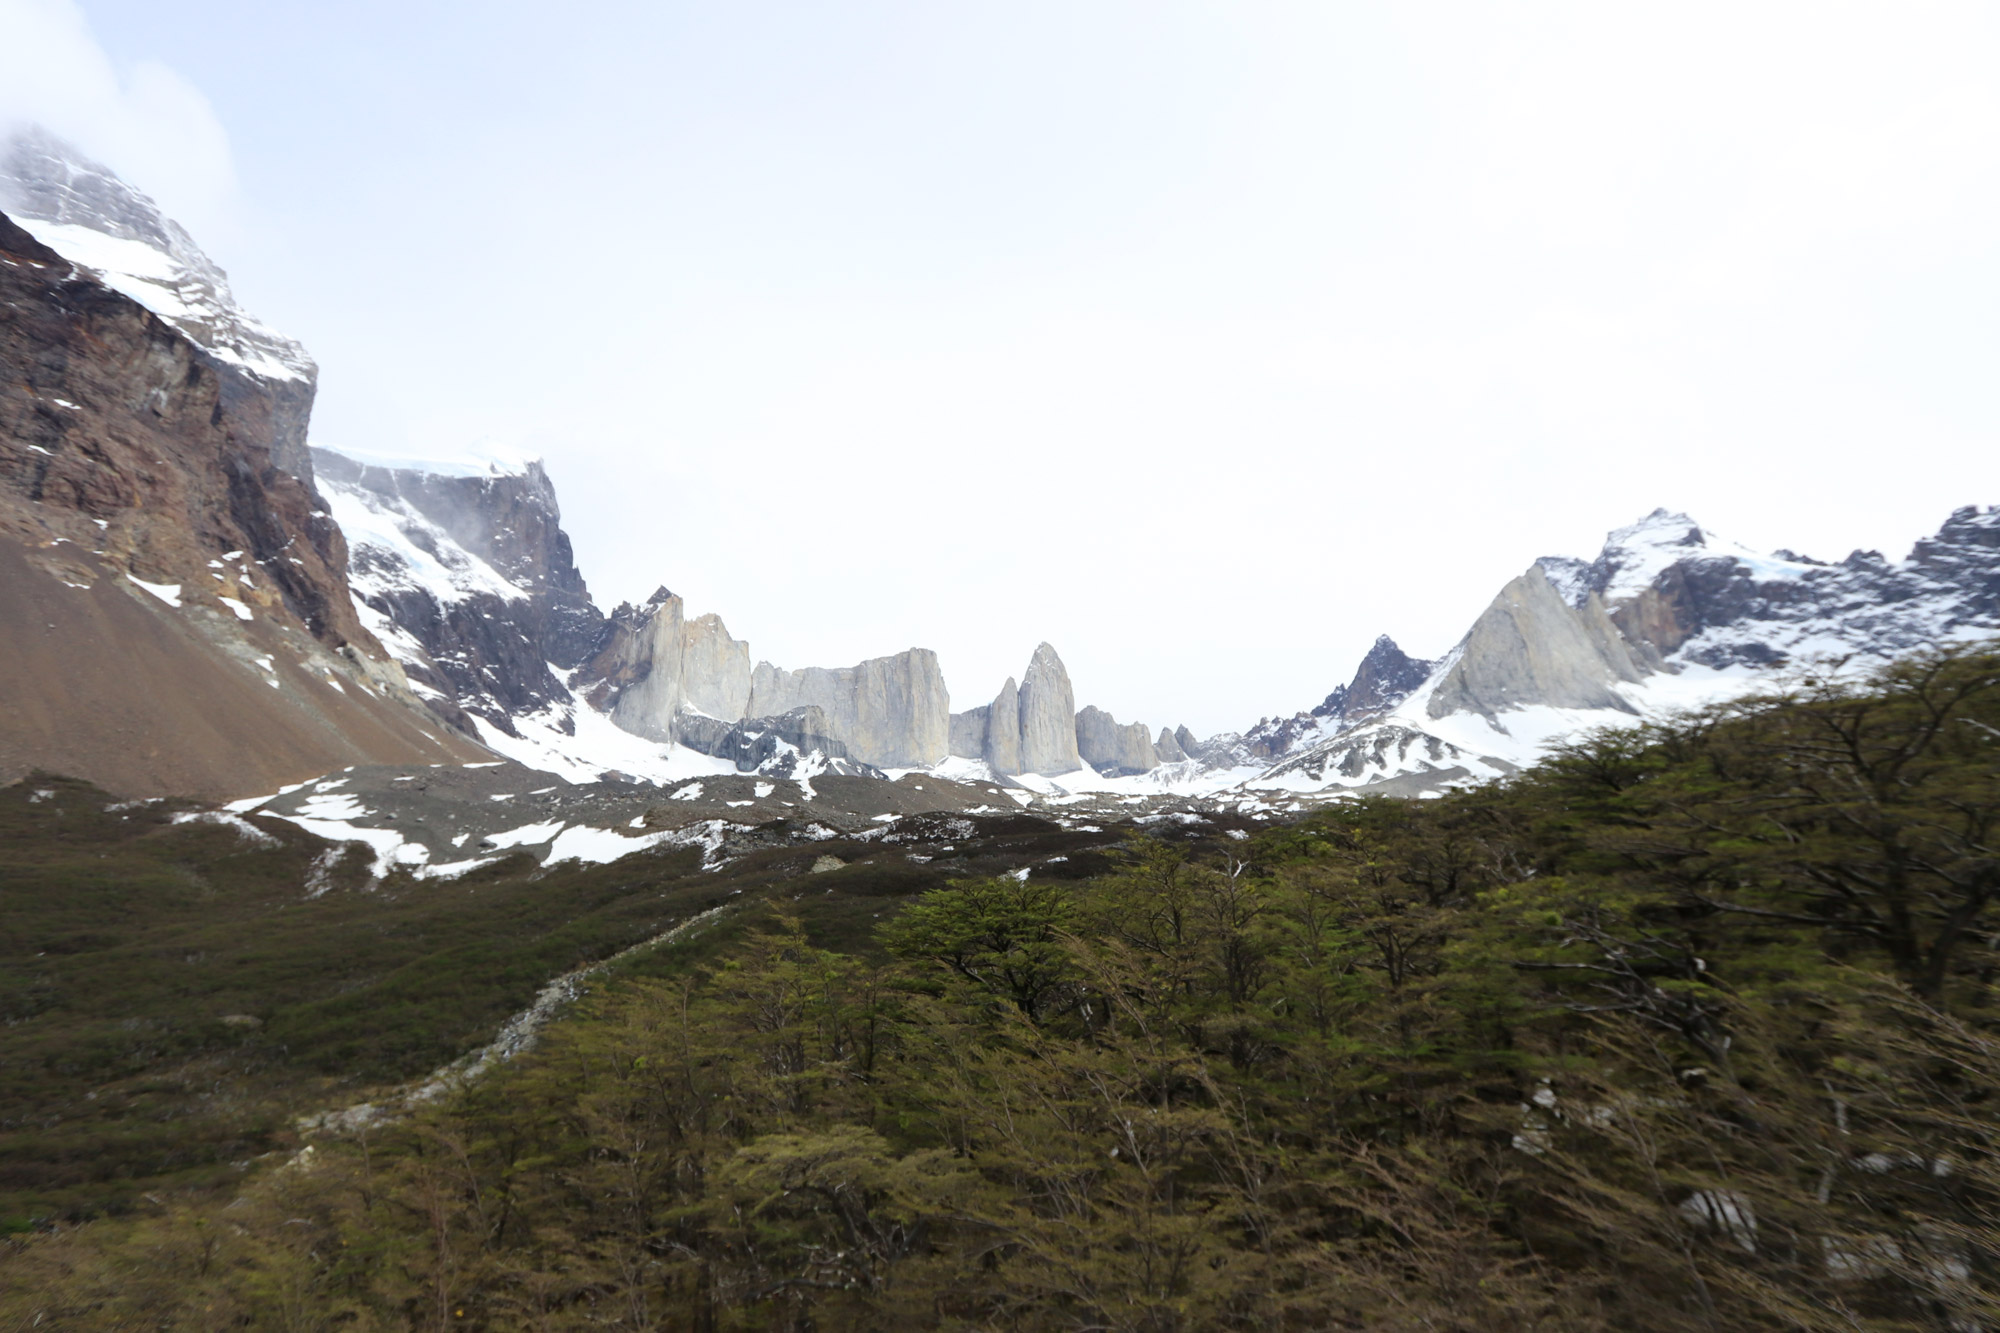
[(124, 455)]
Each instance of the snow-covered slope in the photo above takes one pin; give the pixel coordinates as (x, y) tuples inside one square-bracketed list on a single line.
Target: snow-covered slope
[(85, 213), (461, 568), (105, 227), (1691, 619)]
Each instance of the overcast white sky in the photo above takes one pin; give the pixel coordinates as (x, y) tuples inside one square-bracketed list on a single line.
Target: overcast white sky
[(1204, 340)]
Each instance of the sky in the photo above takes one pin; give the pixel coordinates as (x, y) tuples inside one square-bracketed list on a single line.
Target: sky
[(1206, 341)]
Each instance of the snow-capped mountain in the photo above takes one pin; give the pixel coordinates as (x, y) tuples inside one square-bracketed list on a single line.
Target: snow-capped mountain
[(174, 609), (84, 212), (1668, 616), (455, 580), (463, 571)]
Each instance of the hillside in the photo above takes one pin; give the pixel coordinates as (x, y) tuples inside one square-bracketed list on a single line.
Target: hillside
[(175, 616), (1690, 1027)]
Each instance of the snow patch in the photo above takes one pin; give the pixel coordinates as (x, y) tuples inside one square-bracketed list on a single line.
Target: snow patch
[(170, 593), (245, 830)]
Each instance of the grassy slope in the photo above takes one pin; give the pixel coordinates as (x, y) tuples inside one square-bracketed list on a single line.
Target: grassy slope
[(171, 997)]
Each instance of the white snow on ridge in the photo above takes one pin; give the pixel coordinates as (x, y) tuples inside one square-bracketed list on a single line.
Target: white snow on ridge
[(1640, 552), (598, 746), (391, 547), (195, 301), (482, 458)]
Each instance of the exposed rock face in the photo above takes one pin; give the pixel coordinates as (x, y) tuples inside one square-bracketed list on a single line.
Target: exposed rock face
[(1168, 748), (94, 219), (636, 674), (1111, 749), (715, 669), (774, 746), (1386, 677), (1003, 730), (968, 733), (655, 670), (475, 567), (109, 414), (1674, 590), (1048, 716), (128, 451), (1531, 647), (1029, 728), (892, 712)]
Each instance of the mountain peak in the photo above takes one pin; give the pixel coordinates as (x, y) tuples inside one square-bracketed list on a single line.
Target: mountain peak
[(82, 210)]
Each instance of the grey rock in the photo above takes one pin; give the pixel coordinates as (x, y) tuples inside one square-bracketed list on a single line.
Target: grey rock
[(892, 712), (1168, 749), (1531, 647), (657, 673), (656, 669), (1048, 716), (968, 733), (485, 653), (1704, 602), (715, 668), (774, 746), (636, 675), (1387, 676), (1114, 750), (1003, 730)]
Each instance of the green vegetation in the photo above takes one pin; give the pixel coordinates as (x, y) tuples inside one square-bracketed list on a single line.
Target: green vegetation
[(1691, 1028), (174, 994)]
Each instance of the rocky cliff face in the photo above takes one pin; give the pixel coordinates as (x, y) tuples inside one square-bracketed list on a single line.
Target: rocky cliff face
[(636, 675), (1667, 614), (892, 712), (1676, 591), (1003, 730), (1114, 750), (715, 669), (1531, 647), (1048, 716), (653, 668), (107, 228), (474, 567), (1387, 676), (1033, 727), (797, 744), (212, 647)]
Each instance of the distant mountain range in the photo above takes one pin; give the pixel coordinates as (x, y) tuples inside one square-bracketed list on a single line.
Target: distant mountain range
[(191, 600)]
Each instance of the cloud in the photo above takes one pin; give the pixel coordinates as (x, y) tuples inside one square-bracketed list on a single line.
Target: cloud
[(147, 122)]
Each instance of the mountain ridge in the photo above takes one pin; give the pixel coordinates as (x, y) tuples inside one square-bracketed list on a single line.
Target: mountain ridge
[(451, 589)]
